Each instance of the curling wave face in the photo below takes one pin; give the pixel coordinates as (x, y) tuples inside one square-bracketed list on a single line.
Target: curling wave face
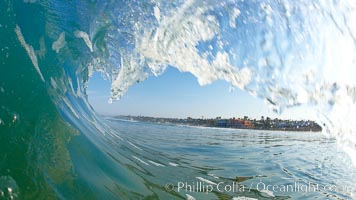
[(287, 52)]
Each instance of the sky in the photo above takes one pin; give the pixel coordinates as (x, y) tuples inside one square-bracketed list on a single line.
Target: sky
[(178, 94)]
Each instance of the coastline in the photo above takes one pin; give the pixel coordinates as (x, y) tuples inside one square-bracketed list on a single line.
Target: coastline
[(232, 123)]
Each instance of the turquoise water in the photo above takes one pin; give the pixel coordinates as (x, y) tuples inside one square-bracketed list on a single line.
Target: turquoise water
[(53, 145)]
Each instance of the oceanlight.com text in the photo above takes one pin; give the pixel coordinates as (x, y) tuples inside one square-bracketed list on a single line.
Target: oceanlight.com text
[(225, 187)]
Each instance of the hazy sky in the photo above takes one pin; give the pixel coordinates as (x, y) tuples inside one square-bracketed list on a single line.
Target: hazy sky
[(176, 94)]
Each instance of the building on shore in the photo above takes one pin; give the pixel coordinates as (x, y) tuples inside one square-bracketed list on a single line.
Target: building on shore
[(239, 123)]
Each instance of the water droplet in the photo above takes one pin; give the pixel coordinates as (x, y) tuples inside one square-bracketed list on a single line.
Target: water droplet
[(15, 118), (8, 188)]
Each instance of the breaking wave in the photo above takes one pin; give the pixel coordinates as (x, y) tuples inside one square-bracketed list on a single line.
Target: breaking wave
[(289, 53)]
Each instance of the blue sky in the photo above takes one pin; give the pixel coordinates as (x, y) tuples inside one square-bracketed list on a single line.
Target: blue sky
[(177, 94)]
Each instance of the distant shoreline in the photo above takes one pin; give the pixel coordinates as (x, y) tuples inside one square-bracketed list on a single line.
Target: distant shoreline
[(233, 123)]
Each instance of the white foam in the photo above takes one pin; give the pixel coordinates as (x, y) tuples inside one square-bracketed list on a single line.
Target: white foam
[(30, 51), (53, 83), (189, 197), (66, 102), (213, 175), (130, 73), (206, 180), (267, 193), (173, 164), (157, 13), (134, 145), (141, 161), (70, 82), (234, 14), (59, 43), (157, 164), (116, 136), (243, 198), (174, 43), (85, 37)]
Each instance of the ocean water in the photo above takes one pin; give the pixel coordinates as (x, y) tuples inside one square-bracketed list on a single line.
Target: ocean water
[(218, 163), (53, 145)]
